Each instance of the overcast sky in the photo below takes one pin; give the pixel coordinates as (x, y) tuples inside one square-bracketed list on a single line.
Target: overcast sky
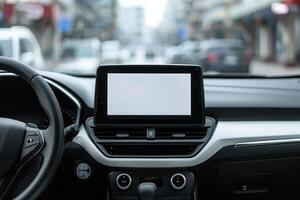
[(154, 10)]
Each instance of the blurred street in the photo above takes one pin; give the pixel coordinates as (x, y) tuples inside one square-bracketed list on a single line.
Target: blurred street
[(224, 36)]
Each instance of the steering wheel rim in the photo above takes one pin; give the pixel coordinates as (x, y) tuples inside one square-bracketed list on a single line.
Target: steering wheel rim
[(53, 135)]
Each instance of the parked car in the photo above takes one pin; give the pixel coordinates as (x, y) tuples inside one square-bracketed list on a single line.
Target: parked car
[(111, 52), (186, 53), (150, 53), (223, 55), (79, 55), (170, 53), (20, 44)]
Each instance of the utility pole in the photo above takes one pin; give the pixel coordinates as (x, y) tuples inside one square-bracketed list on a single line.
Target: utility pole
[(17, 12), (227, 19)]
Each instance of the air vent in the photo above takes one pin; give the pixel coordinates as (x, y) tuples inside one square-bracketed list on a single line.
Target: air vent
[(120, 133), (160, 133), (129, 140), (150, 150), (181, 134)]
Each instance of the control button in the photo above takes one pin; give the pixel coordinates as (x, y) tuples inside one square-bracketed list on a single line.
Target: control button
[(31, 140), (150, 133), (178, 181), (123, 181), (83, 171)]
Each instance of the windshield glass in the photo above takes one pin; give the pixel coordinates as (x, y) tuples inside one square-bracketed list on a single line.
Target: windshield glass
[(240, 37)]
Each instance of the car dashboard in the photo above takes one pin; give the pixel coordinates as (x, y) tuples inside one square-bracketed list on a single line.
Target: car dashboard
[(252, 150)]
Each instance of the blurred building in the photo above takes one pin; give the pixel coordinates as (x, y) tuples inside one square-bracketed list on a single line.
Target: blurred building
[(131, 24), (96, 18), (192, 17), (52, 20), (173, 25), (182, 20), (270, 27)]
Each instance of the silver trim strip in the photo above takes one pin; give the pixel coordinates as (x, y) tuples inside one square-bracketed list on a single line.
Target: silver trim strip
[(227, 133), (266, 143), (68, 94)]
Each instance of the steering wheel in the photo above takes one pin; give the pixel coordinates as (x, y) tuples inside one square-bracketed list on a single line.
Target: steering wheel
[(21, 143)]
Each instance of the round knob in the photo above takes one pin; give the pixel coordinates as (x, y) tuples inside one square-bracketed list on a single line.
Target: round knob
[(83, 171), (178, 181), (123, 181)]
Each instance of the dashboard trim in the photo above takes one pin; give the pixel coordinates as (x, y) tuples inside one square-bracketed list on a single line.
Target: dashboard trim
[(266, 143), (68, 94), (227, 133)]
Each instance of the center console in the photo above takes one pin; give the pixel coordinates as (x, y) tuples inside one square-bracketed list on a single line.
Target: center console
[(147, 112)]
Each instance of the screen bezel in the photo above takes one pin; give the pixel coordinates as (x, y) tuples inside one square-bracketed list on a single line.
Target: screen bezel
[(197, 96)]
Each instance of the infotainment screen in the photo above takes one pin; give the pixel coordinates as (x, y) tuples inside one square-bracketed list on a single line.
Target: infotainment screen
[(148, 94), (156, 94)]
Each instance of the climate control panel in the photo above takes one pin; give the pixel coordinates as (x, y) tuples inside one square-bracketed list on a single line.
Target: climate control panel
[(161, 185)]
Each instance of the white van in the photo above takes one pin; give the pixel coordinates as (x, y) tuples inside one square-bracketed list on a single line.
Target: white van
[(20, 44)]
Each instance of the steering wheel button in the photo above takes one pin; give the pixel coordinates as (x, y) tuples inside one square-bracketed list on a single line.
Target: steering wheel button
[(31, 141)]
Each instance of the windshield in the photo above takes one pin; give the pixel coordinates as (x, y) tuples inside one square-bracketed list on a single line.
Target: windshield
[(241, 37)]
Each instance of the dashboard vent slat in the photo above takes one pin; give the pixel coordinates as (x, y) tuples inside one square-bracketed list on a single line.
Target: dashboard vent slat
[(161, 134), (181, 134), (119, 133), (151, 150)]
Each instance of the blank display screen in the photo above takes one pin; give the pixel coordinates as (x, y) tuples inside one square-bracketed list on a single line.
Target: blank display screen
[(149, 94)]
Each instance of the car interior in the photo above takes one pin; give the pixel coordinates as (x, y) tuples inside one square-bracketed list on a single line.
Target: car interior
[(147, 128)]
